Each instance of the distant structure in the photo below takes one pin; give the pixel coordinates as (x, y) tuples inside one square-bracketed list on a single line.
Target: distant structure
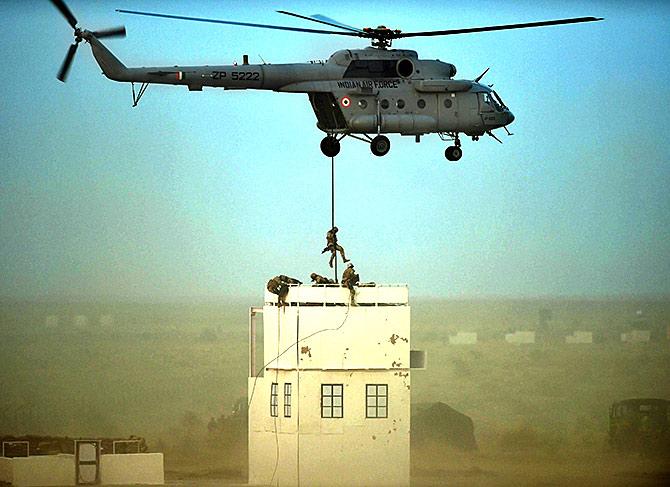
[(636, 336), (51, 322), (80, 322), (331, 406), (520, 337), (580, 337), (106, 321), (463, 338)]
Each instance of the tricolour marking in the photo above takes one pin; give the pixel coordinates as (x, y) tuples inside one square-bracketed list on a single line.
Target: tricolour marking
[(180, 75), (345, 101)]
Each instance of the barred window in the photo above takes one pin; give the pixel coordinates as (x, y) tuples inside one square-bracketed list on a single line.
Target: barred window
[(274, 400), (332, 401), (287, 399), (376, 401)]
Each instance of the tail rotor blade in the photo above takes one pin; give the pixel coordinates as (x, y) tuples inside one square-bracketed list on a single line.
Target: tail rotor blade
[(60, 5), (65, 67), (115, 32)]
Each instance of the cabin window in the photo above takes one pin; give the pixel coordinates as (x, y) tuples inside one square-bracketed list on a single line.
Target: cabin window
[(376, 401), (371, 68), (447, 103), (421, 103), (363, 104), (485, 102), (274, 400), (400, 104), (332, 401), (384, 104), (287, 399)]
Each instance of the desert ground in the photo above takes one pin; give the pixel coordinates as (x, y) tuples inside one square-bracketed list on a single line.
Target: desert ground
[(172, 372)]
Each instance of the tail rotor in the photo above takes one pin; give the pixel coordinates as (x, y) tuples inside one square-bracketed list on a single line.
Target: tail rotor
[(79, 35)]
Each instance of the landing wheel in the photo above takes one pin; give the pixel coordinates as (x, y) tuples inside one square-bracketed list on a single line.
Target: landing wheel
[(380, 145), (330, 146), (453, 153)]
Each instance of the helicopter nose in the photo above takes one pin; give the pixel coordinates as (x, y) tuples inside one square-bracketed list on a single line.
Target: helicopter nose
[(510, 117)]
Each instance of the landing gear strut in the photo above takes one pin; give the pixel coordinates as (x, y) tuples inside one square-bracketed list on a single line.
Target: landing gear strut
[(454, 152), (380, 145), (330, 146)]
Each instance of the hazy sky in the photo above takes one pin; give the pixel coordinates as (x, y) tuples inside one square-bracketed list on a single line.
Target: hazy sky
[(208, 194)]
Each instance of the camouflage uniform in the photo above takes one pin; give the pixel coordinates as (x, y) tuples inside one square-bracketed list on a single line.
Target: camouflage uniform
[(350, 279), (317, 279), (332, 245), (279, 285)]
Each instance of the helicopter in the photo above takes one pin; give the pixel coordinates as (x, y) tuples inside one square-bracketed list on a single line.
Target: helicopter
[(358, 93)]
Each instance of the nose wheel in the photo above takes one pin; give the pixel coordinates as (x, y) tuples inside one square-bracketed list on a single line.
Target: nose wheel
[(454, 152), (380, 145), (330, 146)]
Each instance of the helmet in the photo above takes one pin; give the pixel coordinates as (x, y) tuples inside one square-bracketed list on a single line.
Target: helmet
[(350, 264), (335, 229), (312, 275)]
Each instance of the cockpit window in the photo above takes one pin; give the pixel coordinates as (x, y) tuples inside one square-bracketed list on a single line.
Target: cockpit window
[(371, 68), (498, 99), (489, 102)]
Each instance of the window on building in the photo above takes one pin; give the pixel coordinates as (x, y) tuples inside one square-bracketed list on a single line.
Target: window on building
[(376, 401), (332, 401), (287, 399), (274, 400)]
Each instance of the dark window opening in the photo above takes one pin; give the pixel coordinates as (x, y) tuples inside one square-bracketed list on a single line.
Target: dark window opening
[(371, 68), (327, 111)]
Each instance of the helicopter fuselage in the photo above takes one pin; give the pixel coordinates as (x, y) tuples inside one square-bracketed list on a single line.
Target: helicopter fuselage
[(357, 91)]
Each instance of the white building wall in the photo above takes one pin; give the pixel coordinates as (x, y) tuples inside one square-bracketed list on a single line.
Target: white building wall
[(335, 344), (43, 470), (636, 336), (463, 338), (130, 469)]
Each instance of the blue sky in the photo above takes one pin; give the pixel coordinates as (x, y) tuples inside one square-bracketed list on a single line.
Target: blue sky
[(209, 194)]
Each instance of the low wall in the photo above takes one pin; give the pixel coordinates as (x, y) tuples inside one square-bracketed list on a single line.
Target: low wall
[(6, 471), (580, 337), (463, 338), (520, 337), (132, 468), (42, 470), (59, 470)]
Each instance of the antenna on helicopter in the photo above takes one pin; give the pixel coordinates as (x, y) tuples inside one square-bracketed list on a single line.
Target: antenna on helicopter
[(78, 37)]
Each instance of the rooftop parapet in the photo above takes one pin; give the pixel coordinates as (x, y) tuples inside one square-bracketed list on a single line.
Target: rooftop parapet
[(336, 295)]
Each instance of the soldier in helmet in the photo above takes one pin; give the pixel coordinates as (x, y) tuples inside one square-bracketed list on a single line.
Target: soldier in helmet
[(279, 285), (332, 245), (350, 279), (317, 279)]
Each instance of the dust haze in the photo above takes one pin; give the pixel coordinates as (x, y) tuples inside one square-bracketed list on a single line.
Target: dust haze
[(175, 372)]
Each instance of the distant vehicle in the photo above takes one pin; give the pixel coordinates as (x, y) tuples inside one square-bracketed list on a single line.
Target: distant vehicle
[(640, 425)]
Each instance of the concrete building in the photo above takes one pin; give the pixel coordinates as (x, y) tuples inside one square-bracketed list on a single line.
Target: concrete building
[(520, 337), (580, 337), (463, 338), (636, 336), (332, 407)]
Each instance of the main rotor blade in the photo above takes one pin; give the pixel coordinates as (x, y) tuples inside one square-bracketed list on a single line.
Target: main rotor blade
[(65, 67), (244, 24), (322, 19), (115, 32), (60, 5), (497, 27)]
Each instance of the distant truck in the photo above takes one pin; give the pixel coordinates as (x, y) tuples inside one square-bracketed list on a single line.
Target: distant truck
[(640, 425)]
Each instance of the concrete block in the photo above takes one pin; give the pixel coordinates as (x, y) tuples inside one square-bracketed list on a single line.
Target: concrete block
[(6, 470), (135, 468), (520, 337), (463, 338), (636, 336), (43, 471), (580, 337)]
